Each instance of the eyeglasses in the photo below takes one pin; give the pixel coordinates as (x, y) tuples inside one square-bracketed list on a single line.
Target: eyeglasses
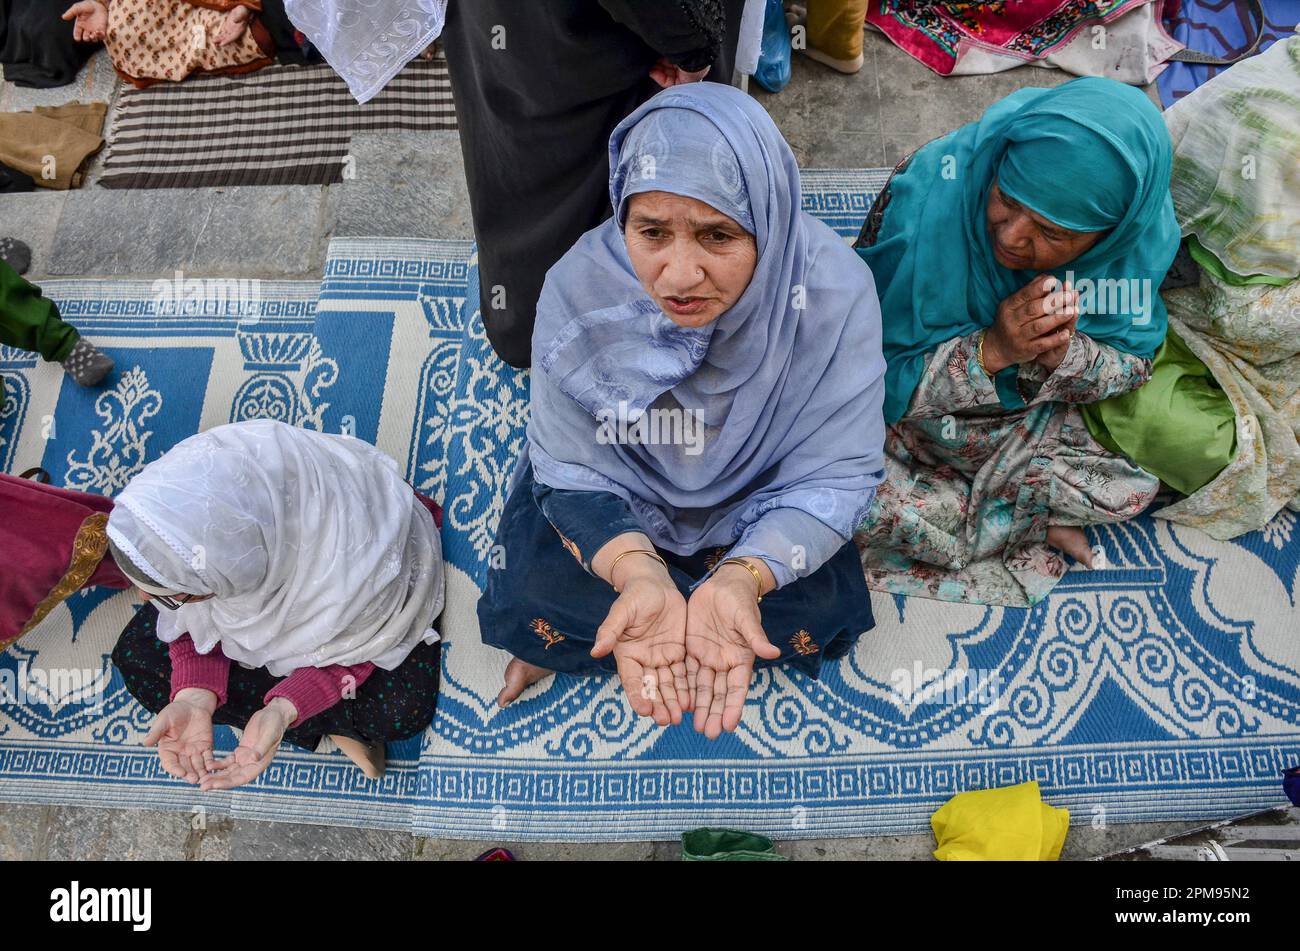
[(169, 602)]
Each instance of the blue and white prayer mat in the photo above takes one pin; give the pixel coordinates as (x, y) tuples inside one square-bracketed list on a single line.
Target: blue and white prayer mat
[(190, 354), (1165, 685)]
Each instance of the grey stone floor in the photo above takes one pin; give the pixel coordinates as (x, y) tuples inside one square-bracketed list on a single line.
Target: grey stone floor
[(72, 833), (412, 185)]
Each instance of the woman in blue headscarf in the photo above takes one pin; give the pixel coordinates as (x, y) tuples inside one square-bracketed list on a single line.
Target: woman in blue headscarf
[(706, 428), (1018, 261)]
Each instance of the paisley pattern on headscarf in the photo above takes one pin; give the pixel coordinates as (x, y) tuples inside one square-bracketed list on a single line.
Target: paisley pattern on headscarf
[(1089, 155), (788, 381)]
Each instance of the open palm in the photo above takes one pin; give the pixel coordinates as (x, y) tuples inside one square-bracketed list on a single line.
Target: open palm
[(724, 637), (182, 731), (645, 631), (90, 21), (262, 736)]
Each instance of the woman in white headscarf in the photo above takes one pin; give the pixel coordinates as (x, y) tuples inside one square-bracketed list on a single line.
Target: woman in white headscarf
[(306, 560)]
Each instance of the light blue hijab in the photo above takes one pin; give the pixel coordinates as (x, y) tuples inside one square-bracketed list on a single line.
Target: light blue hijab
[(789, 382)]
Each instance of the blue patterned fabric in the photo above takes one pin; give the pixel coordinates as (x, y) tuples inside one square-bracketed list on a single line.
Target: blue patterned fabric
[(1221, 28), (1165, 685)]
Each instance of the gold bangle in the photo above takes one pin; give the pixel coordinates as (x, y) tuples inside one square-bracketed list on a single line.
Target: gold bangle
[(979, 354), (635, 551), (758, 578)]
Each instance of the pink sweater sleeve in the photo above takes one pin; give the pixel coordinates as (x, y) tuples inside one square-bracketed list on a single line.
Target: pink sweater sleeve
[(191, 669), (314, 690)]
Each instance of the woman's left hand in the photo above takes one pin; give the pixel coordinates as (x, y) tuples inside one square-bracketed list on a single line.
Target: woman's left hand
[(262, 735), (1049, 360), (724, 634)]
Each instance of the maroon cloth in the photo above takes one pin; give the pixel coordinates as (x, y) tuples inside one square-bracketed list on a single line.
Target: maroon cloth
[(209, 671), (314, 690), (38, 529), (311, 690), (434, 508)]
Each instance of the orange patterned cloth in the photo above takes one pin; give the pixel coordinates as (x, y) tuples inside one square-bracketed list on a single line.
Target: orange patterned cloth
[(153, 40)]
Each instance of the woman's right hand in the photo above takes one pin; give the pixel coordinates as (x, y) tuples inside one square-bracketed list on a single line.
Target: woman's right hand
[(666, 74), (91, 21), (182, 731), (646, 631), (1035, 319)]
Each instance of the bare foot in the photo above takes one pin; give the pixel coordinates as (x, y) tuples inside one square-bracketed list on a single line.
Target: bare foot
[(519, 677), (234, 25), (371, 759), (1072, 541)]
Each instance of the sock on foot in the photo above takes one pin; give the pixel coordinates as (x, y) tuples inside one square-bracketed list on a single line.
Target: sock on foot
[(87, 364), (16, 254)]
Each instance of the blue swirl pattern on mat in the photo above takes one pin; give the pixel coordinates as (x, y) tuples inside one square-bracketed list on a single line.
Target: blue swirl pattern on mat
[(1165, 685)]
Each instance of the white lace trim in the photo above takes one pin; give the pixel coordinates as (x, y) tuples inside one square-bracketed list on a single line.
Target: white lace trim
[(368, 42)]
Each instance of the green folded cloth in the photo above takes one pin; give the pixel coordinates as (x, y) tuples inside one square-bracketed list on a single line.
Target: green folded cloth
[(727, 845), (1208, 262), (1179, 425)]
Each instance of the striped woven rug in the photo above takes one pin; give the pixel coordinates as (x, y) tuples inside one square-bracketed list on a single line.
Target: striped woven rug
[(282, 125)]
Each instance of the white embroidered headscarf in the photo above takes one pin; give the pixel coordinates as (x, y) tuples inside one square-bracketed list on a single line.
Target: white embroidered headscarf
[(367, 42), (315, 550)]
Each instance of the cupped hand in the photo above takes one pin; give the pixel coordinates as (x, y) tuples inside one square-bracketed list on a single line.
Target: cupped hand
[(91, 21), (262, 735), (182, 731), (1051, 359), (724, 636), (646, 632), (1034, 320), (233, 26), (666, 74)]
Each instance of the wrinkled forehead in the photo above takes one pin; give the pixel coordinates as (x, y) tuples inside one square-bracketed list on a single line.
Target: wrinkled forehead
[(665, 209), (681, 152)]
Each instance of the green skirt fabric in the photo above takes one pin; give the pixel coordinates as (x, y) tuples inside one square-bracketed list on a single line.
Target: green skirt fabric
[(1179, 425)]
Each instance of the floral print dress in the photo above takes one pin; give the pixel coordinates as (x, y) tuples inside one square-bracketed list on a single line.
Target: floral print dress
[(153, 40), (971, 487)]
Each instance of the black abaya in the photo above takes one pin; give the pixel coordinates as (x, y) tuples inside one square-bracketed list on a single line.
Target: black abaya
[(36, 46), (539, 87)]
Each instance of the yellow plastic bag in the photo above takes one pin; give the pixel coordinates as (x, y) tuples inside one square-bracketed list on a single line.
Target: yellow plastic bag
[(1008, 824)]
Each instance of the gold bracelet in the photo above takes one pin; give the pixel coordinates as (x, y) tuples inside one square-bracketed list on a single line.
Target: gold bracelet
[(758, 578), (635, 551), (979, 354)]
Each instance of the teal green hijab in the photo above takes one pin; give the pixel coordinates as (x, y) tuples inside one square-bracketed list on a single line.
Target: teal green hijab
[(1089, 155)]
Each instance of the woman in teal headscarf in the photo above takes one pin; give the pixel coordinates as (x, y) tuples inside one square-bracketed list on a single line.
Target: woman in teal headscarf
[(1017, 260)]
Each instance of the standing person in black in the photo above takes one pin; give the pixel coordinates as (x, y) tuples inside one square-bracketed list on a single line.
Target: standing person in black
[(539, 87), (37, 48)]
